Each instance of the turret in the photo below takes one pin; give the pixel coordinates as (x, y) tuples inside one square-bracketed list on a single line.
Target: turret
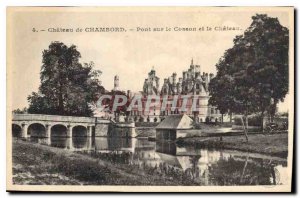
[(165, 87), (197, 71), (129, 94), (184, 75), (116, 83), (179, 86), (157, 82), (174, 78), (189, 74)]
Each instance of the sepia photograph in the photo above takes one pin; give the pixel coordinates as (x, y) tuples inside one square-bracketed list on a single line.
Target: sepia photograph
[(150, 99)]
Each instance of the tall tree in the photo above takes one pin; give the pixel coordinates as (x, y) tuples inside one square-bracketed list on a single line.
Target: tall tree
[(269, 41), (253, 75), (66, 85)]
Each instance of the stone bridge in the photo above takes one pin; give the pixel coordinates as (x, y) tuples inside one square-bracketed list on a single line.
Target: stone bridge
[(39, 125)]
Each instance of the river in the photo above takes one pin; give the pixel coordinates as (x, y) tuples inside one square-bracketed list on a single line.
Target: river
[(205, 166)]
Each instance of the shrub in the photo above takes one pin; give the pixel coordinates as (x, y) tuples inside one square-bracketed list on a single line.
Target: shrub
[(254, 120)]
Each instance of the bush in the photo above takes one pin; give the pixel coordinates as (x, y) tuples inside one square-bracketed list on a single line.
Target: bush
[(254, 120), (141, 119)]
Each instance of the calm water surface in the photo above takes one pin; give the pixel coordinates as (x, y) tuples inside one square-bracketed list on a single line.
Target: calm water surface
[(209, 167)]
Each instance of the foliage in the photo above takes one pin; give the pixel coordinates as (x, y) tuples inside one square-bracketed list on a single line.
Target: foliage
[(242, 172), (122, 109), (66, 84), (252, 76), (20, 111), (253, 120)]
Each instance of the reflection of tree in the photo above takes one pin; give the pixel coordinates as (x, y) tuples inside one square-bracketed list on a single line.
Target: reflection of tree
[(245, 166), (194, 171), (241, 172), (79, 142)]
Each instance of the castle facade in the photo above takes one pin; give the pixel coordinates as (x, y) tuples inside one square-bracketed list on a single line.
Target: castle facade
[(192, 84)]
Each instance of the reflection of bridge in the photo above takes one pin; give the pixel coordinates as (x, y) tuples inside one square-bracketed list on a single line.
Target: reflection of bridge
[(39, 125)]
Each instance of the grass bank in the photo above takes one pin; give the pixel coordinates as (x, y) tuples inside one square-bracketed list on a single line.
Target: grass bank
[(39, 164), (275, 144)]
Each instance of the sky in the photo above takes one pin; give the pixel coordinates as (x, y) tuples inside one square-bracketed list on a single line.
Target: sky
[(130, 55)]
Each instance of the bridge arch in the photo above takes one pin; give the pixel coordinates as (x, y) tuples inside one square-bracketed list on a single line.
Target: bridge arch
[(36, 130), (79, 131), (59, 130), (16, 130)]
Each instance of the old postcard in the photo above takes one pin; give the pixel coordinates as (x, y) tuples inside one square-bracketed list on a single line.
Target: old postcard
[(150, 99)]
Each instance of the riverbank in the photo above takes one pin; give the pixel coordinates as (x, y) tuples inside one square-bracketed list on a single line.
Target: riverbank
[(275, 144), (37, 164)]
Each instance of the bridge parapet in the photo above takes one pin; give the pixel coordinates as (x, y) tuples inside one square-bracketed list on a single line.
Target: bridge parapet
[(52, 118), (27, 122)]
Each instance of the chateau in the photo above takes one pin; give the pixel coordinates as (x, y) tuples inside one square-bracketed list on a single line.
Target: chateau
[(192, 83)]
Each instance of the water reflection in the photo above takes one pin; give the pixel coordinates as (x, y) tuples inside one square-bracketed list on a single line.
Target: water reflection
[(187, 164)]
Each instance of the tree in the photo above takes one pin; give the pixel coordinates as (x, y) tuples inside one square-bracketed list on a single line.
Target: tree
[(20, 111), (220, 90), (252, 76), (269, 41), (120, 109), (66, 85)]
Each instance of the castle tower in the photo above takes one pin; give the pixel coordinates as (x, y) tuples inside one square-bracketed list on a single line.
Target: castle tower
[(184, 75), (151, 84), (174, 78), (179, 86), (197, 71), (116, 83)]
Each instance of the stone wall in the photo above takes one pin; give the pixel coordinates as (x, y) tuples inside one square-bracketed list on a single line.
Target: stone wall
[(101, 130), (121, 131)]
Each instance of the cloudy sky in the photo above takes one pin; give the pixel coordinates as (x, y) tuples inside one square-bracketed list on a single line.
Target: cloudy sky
[(132, 54)]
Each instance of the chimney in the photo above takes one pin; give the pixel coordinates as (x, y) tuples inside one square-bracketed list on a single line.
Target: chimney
[(180, 80)]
